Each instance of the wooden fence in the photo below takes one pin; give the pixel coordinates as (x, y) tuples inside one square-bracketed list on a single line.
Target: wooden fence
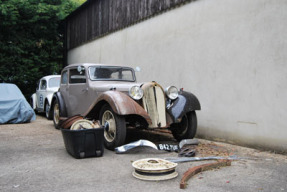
[(96, 18)]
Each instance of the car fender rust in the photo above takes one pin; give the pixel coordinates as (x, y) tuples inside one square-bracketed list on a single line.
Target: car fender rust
[(121, 104)]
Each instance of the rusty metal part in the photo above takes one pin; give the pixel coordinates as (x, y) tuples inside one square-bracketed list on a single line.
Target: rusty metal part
[(194, 170), (154, 169), (121, 104), (67, 122), (187, 159), (83, 124)]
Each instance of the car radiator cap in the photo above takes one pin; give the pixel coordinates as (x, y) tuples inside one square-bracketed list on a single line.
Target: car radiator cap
[(154, 169)]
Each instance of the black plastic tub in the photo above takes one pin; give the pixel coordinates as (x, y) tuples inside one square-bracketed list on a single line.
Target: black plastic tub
[(84, 143)]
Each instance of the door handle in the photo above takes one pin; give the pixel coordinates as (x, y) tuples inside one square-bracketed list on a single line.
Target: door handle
[(85, 90)]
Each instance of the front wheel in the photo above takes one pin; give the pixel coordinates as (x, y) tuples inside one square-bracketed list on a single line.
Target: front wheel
[(47, 111), (186, 129), (115, 129), (56, 114)]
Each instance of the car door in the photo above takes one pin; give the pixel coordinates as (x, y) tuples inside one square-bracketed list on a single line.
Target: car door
[(64, 87), (40, 94), (78, 92)]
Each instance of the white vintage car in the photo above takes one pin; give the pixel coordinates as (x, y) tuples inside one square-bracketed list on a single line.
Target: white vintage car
[(46, 87)]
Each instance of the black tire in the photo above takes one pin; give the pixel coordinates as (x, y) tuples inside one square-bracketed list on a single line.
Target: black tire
[(115, 135), (186, 129), (56, 114), (48, 112)]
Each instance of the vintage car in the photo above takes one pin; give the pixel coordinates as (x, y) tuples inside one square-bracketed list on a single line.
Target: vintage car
[(112, 95), (41, 100)]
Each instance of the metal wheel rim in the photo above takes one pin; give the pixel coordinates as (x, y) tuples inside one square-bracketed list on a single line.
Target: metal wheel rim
[(56, 113), (109, 135)]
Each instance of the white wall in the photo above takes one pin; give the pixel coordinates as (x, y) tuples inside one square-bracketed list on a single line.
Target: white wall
[(231, 54)]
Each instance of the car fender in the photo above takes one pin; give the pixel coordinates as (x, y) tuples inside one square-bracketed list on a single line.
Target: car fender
[(61, 101), (33, 101), (121, 104), (185, 103), (49, 98)]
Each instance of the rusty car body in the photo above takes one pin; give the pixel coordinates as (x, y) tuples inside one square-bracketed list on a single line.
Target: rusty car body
[(112, 95)]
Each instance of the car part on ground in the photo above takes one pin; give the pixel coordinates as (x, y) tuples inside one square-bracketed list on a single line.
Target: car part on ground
[(154, 169), (188, 142), (194, 170), (139, 143), (84, 124), (66, 123), (186, 153), (84, 143), (188, 159), (146, 143)]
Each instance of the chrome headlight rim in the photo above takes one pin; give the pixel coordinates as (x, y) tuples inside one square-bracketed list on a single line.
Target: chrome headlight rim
[(171, 92), (136, 92)]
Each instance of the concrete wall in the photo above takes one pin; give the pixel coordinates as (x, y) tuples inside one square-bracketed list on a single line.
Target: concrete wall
[(231, 54)]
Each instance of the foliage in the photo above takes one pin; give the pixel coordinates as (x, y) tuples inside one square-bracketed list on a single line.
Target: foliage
[(31, 40)]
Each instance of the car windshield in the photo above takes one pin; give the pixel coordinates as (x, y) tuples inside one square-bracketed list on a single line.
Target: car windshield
[(54, 82), (108, 73)]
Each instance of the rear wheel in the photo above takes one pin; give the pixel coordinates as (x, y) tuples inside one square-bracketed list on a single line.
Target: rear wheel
[(186, 129), (115, 131), (56, 114)]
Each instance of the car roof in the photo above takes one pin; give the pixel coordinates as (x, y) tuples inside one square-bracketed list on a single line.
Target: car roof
[(50, 76), (91, 64)]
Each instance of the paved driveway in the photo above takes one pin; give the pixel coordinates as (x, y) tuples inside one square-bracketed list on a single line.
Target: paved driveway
[(33, 158)]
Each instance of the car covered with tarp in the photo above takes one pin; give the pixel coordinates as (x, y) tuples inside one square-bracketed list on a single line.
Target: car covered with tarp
[(14, 108)]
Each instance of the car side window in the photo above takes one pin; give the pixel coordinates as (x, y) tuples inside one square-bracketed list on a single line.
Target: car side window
[(64, 79), (77, 76), (43, 85)]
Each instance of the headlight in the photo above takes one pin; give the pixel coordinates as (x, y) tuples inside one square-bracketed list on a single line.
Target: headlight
[(136, 92), (171, 92)]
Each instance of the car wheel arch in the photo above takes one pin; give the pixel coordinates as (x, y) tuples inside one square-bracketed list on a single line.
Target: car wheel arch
[(61, 101), (115, 100)]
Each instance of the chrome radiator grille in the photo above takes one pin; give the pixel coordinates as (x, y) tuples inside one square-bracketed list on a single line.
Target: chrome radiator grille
[(154, 104)]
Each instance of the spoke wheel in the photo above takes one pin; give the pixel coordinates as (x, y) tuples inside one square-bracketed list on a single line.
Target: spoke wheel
[(115, 131), (109, 118), (56, 114)]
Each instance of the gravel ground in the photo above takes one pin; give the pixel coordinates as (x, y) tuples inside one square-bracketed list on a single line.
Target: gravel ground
[(33, 158)]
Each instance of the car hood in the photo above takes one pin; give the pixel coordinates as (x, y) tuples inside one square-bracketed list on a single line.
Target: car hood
[(102, 86)]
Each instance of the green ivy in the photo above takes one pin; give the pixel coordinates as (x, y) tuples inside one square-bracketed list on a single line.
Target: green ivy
[(31, 40)]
